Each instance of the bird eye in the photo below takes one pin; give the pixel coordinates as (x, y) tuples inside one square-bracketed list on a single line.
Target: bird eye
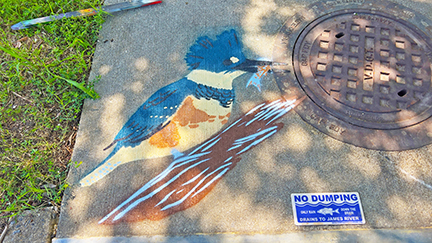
[(234, 59), (231, 61)]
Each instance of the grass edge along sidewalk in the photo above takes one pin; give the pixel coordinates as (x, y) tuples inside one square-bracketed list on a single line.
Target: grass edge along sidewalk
[(44, 72)]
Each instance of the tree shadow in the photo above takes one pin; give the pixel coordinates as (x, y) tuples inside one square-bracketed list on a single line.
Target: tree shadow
[(253, 197)]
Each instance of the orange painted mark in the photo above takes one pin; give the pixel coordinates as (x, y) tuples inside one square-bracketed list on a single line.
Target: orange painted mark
[(193, 126), (227, 115), (212, 120), (149, 211), (87, 12), (224, 121), (167, 137), (211, 117), (262, 70), (188, 114)]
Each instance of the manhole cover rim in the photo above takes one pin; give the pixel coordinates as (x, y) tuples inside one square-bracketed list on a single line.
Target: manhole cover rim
[(360, 117), (398, 139)]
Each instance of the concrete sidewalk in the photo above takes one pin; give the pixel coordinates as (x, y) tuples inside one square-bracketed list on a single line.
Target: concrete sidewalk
[(360, 236), (142, 50)]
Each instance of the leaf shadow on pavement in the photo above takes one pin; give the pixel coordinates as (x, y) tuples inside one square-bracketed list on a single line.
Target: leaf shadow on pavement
[(254, 197)]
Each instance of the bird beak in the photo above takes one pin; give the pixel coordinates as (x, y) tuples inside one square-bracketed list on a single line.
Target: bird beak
[(252, 65)]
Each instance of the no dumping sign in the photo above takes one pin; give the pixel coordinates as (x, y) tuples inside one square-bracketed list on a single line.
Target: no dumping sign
[(327, 208)]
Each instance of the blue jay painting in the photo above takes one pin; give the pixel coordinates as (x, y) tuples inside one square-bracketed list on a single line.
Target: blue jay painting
[(187, 112)]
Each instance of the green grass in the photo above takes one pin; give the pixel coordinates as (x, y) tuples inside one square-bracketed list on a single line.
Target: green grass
[(44, 81)]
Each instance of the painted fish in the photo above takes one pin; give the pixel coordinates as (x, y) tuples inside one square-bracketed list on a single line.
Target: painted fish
[(255, 80), (328, 211)]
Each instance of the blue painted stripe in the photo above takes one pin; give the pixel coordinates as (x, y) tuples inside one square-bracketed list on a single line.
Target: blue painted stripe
[(165, 198), (193, 189), (257, 142), (151, 194), (211, 182)]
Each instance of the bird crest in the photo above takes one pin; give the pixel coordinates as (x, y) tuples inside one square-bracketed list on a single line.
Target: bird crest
[(217, 55)]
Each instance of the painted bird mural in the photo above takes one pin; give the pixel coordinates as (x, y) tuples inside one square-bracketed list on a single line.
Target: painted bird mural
[(185, 113), (190, 177)]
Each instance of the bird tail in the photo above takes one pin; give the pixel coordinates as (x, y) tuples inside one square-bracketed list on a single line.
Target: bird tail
[(101, 170)]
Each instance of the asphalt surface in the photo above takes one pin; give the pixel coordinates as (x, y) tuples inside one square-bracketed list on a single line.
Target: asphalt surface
[(141, 50)]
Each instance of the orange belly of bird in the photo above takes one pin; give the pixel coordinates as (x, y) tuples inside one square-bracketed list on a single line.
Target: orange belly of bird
[(187, 115)]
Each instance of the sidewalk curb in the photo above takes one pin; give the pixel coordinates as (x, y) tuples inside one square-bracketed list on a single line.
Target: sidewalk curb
[(381, 235), (36, 226)]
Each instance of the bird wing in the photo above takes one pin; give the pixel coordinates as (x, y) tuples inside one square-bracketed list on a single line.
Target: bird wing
[(189, 178), (154, 114)]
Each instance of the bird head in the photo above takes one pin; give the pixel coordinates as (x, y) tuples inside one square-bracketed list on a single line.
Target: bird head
[(221, 55)]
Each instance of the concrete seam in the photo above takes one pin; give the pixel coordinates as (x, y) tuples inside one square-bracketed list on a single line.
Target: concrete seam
[(53, 225)]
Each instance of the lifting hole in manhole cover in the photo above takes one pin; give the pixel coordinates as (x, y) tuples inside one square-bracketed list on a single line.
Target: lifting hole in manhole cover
[(367, 75)]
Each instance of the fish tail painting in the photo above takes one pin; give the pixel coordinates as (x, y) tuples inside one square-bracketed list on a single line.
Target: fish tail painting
[(189, 178), (183, 114), (255, 80)]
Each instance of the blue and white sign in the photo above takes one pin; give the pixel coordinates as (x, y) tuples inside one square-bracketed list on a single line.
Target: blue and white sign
[(327, 208)]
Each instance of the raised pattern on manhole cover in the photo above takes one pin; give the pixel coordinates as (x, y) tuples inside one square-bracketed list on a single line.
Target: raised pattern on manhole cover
[(366, 73), (366, 69)]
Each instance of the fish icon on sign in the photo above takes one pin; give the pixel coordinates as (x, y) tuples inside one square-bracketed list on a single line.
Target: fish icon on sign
[(328, 211)]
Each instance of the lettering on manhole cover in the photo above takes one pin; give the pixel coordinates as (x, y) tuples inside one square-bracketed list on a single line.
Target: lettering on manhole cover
[(367, 76)]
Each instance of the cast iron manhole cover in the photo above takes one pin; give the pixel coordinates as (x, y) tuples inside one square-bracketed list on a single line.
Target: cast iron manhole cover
[(366, 74)]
